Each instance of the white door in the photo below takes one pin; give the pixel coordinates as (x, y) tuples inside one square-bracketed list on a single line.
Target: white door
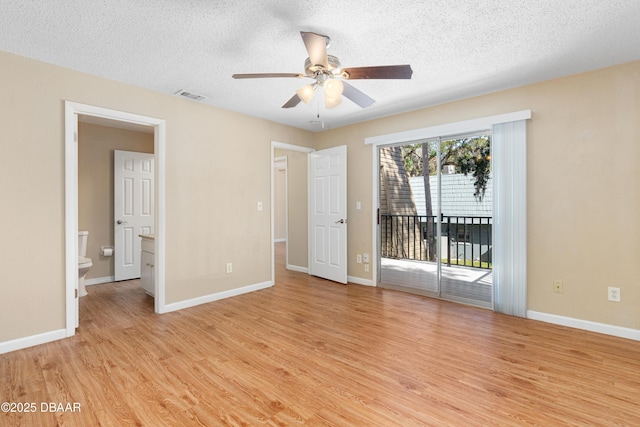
[(328, 214), (133, 209)]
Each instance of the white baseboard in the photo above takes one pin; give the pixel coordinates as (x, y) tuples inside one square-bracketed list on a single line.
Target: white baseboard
[(297, 268), (30, 341), (99, 280), (21, 343), (602, 328), (360, 281), (215, 297), (351, 279)]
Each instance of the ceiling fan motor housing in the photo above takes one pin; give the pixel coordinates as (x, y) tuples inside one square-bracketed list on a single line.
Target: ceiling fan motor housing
[(315, 70)]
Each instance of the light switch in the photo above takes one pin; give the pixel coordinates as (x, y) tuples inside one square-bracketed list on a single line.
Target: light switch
[(259, 206)]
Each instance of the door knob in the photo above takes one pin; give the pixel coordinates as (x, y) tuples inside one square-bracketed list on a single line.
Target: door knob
[(342, 221), (121, 221)]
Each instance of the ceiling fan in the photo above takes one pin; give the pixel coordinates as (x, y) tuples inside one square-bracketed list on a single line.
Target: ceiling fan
[(328, 73)]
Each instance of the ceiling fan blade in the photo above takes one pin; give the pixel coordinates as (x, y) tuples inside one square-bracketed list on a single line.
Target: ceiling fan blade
[(265, 75), (356, 95), (295, 100), (316, 45), (380, 72)]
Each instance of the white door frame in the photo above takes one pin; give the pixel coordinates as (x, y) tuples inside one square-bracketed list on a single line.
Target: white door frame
[(72, 110), (283, 162), (290, 147)]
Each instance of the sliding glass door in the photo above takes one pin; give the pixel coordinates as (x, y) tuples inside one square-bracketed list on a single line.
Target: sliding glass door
[(435, 221)]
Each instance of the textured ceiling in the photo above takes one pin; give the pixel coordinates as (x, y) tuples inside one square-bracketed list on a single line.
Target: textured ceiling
[(457, 48)]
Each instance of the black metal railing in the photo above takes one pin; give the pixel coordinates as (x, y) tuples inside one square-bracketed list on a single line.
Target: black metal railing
[(466, 240)]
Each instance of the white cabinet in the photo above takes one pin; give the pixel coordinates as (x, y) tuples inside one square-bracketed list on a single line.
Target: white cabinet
[(147, 265)]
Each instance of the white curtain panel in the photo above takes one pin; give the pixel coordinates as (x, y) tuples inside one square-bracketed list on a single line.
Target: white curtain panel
[(509, 162)]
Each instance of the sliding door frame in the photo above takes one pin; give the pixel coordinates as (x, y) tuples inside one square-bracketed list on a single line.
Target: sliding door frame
[(456, 128)]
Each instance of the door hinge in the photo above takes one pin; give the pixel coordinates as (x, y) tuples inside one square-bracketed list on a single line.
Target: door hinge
[(378, 216), (76, 293), (75, 137)]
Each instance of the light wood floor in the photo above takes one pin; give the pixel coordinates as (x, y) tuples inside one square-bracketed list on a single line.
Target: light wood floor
[(312, 352)]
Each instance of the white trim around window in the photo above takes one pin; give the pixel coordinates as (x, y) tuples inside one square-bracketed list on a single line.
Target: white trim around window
[(448, 128)]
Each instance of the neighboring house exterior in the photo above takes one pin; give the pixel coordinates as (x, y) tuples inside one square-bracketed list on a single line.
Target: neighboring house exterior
[(395, 190), (466, 222), (396, 199), (457, 195)]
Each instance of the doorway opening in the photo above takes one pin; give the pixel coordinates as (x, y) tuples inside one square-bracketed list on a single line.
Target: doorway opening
[(107, 200), (436, 218), (73, 112), (295, 246)]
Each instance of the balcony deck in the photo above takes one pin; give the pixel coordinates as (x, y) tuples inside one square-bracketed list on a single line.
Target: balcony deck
[(463, 284)]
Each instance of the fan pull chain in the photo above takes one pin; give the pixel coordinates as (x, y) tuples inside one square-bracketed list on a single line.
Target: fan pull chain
[(318, 115)]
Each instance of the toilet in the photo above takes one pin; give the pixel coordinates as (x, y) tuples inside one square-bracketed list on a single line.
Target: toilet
[(84, 263)]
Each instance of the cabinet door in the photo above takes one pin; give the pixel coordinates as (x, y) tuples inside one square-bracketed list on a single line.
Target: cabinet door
[(146, 272)]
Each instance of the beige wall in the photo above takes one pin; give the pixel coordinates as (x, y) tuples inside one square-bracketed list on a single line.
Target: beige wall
[(297, 207), (202, 234), (583, 172), (96, 145)]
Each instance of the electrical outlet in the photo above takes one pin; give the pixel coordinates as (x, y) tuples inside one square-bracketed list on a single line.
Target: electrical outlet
[(259, 206), (359, 259), (229, 267), (614, 294), (558, 286), (365, 258), (366, 268)]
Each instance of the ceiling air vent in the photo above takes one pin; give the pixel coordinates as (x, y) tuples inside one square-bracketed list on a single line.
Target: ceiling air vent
[(190, 95)]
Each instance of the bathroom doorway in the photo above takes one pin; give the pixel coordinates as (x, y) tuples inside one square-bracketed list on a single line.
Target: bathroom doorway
[(79, 117), (99, 142)]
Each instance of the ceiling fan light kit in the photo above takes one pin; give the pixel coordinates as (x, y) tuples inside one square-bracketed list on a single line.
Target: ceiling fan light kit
[(332, 102), (306, 92), (333, 89), (327, 72)]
